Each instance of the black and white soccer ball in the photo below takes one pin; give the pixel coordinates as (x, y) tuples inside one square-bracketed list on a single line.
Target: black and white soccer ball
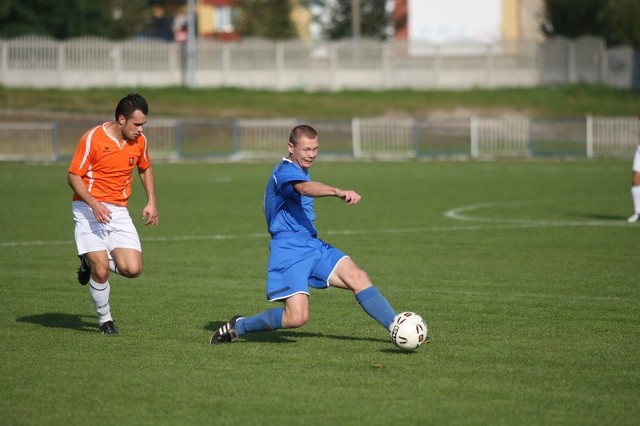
[(408, 331)]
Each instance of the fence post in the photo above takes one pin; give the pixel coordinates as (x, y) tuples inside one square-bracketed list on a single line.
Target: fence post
[(589, 136), (475, 148), (236, 137), (117, 62), (61, 63), (279, 65), (386, 66), (437, 65), (226, 63), (604, 65), (355, 136), (55, 139), (178, 137), (415, 137), (571, 62), (333, 65), (489, 63)]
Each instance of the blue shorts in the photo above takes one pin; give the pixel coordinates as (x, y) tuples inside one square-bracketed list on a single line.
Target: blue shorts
[(295, 264)]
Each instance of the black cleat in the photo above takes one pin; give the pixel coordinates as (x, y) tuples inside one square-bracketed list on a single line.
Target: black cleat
[(226, 333), (84, 271), (108, 328)]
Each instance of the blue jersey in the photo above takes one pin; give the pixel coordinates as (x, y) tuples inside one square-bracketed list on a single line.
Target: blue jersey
[(288, 212)]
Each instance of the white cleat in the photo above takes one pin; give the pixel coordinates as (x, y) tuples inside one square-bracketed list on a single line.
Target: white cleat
[(634, 218)]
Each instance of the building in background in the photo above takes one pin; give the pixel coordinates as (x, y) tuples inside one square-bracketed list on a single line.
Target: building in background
[(486, 21), (215, 19)]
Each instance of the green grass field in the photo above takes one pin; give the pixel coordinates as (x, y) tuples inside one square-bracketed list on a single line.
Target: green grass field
[(175, 102), (526, 272)]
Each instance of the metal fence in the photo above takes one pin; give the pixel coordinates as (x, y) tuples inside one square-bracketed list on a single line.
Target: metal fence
[(37, 61), (355, 139)]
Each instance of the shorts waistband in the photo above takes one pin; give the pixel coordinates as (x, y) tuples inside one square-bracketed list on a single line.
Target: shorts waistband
[(284, 235)]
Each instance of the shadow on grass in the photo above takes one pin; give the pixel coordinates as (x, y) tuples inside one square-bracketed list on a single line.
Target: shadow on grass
[(289, 336), (58, 320)]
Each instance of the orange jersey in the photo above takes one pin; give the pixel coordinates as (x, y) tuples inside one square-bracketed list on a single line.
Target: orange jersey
[(106, 164)]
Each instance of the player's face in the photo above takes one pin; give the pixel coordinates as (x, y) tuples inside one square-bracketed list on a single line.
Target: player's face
[(305, 152), (132, 127)]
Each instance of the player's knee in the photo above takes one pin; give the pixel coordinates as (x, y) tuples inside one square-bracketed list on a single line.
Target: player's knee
[(296, 320), (100, 275), (359, 280), (131, 271)]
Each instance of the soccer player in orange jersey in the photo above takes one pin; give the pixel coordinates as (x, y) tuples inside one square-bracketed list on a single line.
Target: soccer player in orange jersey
[(101, 175)]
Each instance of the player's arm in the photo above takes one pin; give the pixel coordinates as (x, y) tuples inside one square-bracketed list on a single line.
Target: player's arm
[(100, 211), (319, 189), (150, 211)]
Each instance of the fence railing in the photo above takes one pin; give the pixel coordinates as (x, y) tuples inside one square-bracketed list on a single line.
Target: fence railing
[(37, 61), (231, 140)]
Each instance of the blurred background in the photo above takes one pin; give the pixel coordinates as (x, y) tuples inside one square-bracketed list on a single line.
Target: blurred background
[(411, 48), (319, 44)]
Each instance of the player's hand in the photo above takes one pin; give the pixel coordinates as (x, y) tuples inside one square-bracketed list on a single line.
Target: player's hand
[(102, 213), (350, 197), (150, 215)]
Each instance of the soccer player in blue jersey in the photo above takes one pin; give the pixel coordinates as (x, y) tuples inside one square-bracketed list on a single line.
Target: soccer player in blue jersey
[(298, 259)]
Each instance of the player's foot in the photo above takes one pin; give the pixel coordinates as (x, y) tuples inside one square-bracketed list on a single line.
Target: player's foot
[(634, 218), (84, 271), (108, 328), (226, 333)]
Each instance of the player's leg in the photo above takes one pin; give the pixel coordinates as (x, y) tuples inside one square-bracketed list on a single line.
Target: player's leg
[(635, 197), (635, 189), (100, 289), (126, 262), (287, 282), (91, 241), (348, 275), (124, 244), (294, 313), (99, 265)]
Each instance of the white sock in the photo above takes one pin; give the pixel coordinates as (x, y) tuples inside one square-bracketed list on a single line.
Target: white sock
[(635, 195), (113, 267), (100, 296)]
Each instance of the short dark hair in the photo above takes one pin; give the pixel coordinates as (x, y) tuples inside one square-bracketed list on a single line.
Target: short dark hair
[(302, 130), (131, 103)]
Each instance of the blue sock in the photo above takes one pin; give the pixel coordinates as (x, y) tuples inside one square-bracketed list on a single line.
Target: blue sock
[(268, 320), (375, 304)]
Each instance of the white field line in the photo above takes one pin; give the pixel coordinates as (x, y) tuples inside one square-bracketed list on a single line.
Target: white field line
[(460, 214), (419, 230)]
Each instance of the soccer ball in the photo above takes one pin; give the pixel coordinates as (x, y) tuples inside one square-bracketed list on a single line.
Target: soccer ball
[(408, 331)]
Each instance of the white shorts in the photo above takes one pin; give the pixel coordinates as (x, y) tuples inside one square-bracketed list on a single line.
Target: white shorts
[(92, 235), (636, 160)]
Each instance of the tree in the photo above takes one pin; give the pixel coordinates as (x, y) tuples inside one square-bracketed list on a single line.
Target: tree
[(623, 17), (616, 21), (265, 18), (63, 19), (336, 18)]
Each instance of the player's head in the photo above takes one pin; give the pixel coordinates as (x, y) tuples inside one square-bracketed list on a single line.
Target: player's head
[(131, 115), (129, 104), (303, 145), (300, 131)]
